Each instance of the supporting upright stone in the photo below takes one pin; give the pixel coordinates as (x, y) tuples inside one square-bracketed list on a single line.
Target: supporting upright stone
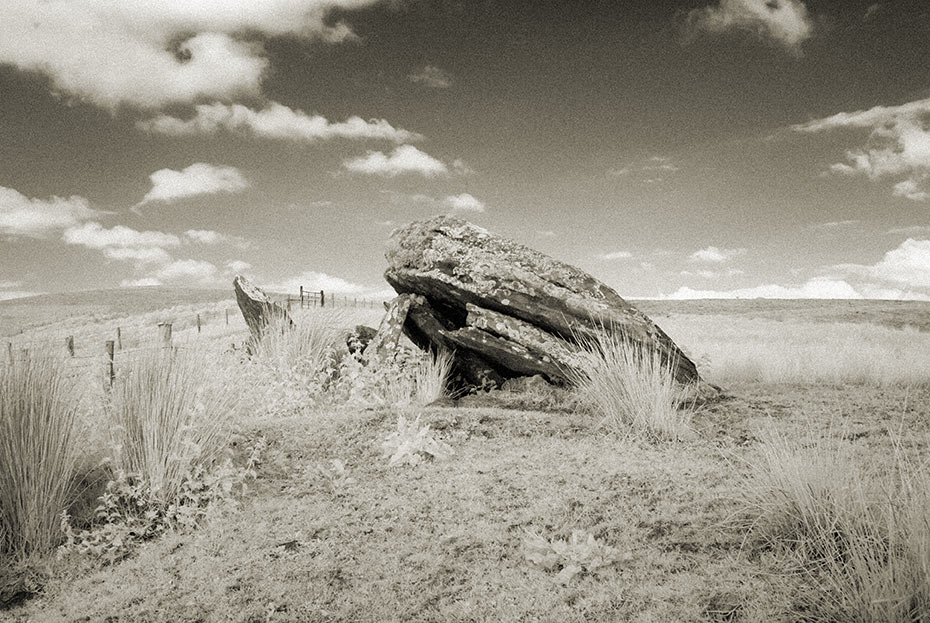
[(384, 345)]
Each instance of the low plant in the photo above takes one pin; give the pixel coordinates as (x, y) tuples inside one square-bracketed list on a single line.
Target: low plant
[(128, 513), (335, 477), (633, 388), (581, 552), (863, 539), (38, 451), (411, 444)]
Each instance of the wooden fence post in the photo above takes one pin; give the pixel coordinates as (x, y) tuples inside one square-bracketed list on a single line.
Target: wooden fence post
[(301, 297), (9, 352), (322, 299), (198, 323), (119, 339), (111, 372), (69, 345), (227, 317), (165, 328)]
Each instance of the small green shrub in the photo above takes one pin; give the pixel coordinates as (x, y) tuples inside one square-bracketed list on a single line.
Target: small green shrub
[(633, 387), (38, 451)]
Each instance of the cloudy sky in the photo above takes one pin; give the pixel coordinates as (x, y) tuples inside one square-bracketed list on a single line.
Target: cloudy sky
[(686, 149)]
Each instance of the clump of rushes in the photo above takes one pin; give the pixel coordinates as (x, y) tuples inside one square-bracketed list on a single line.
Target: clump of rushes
[(38, 450), (168, 415), (863, 540), (633, 387)]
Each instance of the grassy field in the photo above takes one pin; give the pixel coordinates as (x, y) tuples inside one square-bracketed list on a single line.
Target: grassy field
[(533, 508)]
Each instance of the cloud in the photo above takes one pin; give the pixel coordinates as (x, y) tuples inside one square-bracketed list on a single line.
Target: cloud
[(313, 280), (713, 274), (140, 283), (715, 254), (907, 265), (197, 179), (124, 243), (275, 121), (432, 77), (152, 54), (38, 218), (465, 203), (238, 266), (404, 159), (910, 190), (618, 172), (95, 236), (784, 22), (817, 288), (913, 230), (898, 145), (197, 271), (615, 255)]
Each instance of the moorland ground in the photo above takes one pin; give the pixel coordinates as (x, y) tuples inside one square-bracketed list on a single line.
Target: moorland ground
[(327, 530)]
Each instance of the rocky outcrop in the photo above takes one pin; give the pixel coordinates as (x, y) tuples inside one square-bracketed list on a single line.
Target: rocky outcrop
[(507, 310)]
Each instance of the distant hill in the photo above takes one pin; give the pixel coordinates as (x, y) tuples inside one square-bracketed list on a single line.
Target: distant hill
[(34, 311)]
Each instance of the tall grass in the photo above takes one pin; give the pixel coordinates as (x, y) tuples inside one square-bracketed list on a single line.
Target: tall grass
[(302, 349), (38, 451), (633, 388), (168, 413), (862, 539)]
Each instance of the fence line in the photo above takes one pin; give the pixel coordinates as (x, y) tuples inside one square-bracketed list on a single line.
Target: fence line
[(308, 299)]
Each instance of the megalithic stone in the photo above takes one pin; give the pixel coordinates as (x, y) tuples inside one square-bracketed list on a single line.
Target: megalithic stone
[(453, 263), (384, 345), (258, 310)]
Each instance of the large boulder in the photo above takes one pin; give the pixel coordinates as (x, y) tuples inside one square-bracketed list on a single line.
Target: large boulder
[(516, 311)]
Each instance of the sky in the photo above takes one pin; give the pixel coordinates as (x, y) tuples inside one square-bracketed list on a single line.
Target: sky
[(680, 149)]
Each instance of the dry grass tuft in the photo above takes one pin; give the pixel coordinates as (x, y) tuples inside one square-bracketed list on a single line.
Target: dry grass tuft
[(863, 540), (38, 435), (633, 388), (167, 414)]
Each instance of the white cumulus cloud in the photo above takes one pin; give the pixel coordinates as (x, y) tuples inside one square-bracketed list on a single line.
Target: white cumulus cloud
[(432, 77), (197, 179), (907, 265), (715, 254), (275, 121), (465, 203), (37, 218), (616, 255), (96, 236), (313, 280), (150, 54), (784, 22), (817, 288), (403, 159), (898, 145)]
